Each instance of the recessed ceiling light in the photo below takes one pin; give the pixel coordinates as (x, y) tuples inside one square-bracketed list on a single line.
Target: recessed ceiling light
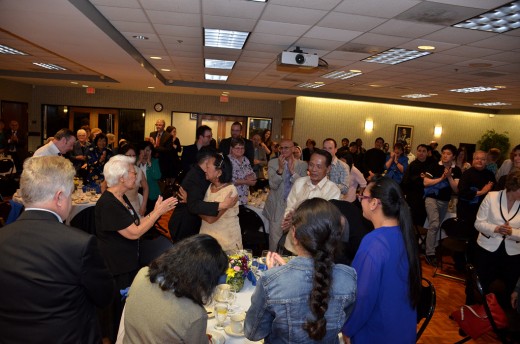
[(501, 87), (156, 57), (342, 74), (474, 89), (501, 19), (225, 38), (218, 64), (166, 70), (151, 87), (375, 85), (426, 47), (258, 0), (225, 93), (419, 95), (311, 84), (492, 104), (395, 56), (74, 82), (216, 77), (4, 49), (140, 37), (84, 85), (48, 66)]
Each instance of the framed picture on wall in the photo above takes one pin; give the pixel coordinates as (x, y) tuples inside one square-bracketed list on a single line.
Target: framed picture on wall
[(403, 134)]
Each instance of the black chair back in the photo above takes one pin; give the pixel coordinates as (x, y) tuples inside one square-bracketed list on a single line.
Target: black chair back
[(85, 220), (426, 306), (6, 166), (253, 232)]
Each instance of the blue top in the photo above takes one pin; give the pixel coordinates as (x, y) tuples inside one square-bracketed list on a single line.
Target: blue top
[(382, 313), (280, 303), (393, 172)]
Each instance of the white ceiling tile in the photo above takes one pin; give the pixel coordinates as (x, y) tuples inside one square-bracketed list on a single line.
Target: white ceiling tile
[(264, 48), (313, 4), (123, 14), (117, 3), (403, 28), (263, 38), (174, 41), (331, 34), (233, 8), (173, 18), (227, 23), (184, 6), (286, 14), (276, 28), (311, 44), (182, 31), (345, 21), (380, 40), (458, 36), (484, 4), (439, 46), (505, 56), (376, 8), (499, 42), (471, 52), (123, 26)]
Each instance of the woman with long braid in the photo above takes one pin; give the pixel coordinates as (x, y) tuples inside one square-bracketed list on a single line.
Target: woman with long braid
[(309, 298), (388, 268)]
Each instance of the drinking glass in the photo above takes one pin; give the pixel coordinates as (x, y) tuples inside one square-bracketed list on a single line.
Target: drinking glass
[(231, 299), (263, 257), (222, 293), (221, 310)]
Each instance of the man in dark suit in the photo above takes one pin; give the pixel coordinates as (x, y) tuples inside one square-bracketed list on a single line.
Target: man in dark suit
[(162, 142), (16, 144), (52, 276), (185, 220), (189, 153), (236, 132)]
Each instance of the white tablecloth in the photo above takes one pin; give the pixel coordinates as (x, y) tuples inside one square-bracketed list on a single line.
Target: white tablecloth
[(77, 208), (244, 301)]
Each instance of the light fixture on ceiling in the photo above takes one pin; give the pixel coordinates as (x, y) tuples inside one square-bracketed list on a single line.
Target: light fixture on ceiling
[(151, 87), (418, 95), (74, 82), (224, 38), (48, 66), (141, 37), (474, 89), (218, 64), (339, 74), (426, 47), (85, 86), (491, 115), (316, 84), (369, 125), (499, 20), (395, 56), (437, 131), (166, 70), (216, 77), (156, 57), (4, 49), (492, 104), (500, 87), (258, 0)]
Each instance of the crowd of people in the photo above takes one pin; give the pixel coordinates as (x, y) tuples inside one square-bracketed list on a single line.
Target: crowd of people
[(347, 213)]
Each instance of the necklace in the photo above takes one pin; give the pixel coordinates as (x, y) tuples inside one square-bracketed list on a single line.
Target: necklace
[(218, 187)]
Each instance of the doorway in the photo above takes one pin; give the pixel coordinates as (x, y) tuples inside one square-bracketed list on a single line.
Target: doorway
[(221, 125)]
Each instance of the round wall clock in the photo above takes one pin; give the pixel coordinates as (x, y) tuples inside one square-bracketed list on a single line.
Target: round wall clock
[(158, 107)]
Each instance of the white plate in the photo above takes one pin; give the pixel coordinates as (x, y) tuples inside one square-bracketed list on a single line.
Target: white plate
[(81, 201), (230, 332), (217, 338)]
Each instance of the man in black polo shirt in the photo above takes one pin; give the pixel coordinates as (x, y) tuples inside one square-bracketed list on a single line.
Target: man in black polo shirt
[(440, 181), (375, 159)]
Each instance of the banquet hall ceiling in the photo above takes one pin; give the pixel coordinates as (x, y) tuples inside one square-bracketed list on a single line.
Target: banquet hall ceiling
[(94, 41)]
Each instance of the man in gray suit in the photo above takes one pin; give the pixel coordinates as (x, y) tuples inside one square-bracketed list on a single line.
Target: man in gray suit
[(282, 173), (52, 276)]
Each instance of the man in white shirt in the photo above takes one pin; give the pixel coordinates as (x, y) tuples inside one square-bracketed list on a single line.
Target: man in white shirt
[(316, 184), (62, 143), (339, 172), (409, 154)]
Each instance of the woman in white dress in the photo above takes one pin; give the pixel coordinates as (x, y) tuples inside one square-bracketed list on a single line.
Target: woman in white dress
[(140, 182), (225, 226)]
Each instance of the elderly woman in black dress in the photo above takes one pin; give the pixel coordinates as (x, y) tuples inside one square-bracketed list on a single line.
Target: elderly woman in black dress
[(118, 228)]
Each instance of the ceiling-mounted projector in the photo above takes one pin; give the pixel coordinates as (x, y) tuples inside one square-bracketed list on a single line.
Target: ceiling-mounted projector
[(298, 58)]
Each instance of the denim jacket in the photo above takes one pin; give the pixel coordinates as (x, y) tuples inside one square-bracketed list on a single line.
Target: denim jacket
[(280, 303)]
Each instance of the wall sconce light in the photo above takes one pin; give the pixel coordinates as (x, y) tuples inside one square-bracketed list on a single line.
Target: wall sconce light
[(437, 132), (491, 115), (143, 114), (65, 109), (369, 125)]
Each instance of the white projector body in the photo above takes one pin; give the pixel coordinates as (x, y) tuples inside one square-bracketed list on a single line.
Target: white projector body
[(298, 59)]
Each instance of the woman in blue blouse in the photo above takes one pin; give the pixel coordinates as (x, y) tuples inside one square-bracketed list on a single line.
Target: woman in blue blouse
[(396, 163), (98, 156), (388, 268)]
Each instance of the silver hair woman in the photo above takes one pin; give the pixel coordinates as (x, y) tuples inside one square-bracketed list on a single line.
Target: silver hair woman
[(118, 228)]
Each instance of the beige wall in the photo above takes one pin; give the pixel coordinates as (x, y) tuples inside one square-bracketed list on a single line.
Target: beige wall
[(320, 118)]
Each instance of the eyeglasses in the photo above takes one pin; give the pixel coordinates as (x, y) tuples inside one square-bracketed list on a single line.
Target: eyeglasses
[(284, 147), (362, 197)]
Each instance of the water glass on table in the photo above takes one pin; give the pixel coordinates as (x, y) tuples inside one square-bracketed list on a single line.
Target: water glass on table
[(221, 311)]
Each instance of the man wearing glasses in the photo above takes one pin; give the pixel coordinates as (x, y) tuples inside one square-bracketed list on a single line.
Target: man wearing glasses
[(282, 172), (189, 153)]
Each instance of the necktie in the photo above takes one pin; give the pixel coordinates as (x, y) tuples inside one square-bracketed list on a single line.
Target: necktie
[(286, 181), (157, 139)]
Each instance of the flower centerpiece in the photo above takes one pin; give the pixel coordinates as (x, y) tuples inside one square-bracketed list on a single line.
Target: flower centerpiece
[(237, 270)]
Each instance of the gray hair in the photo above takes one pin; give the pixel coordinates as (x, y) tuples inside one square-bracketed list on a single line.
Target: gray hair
[(116, 168), (43, 176), (81, 131)]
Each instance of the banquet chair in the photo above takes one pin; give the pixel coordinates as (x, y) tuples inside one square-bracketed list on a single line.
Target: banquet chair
[(85, 220), (455, 242), (253, 232), (420, 235), (426, 306), (503, 334), (8, 180)]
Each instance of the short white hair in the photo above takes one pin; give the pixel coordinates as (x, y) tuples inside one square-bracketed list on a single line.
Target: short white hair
[(116, 168), (43, 176), (81, 131)]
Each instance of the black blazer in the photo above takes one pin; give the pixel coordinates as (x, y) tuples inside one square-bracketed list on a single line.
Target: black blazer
[(189, 157), (166, 142), (185, 220), (52, 278)]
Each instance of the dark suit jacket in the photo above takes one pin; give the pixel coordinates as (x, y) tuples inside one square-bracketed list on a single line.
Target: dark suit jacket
[(189, 157), (166, 142), (163, 153), (225, 145), (185, 220), (52, 278)]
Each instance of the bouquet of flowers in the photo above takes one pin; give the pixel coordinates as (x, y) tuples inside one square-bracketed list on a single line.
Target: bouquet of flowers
[(238, 269)]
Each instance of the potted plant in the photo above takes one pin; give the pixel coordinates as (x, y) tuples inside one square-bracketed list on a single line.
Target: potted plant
[(492, 139)]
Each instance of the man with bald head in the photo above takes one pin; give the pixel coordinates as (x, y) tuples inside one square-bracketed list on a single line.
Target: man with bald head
[(282, 172)]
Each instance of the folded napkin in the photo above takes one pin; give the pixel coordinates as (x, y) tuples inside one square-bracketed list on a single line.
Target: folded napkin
[(251, 276)]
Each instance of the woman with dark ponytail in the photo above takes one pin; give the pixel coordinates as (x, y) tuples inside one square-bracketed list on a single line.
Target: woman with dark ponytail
[(309, 298), (389, 271)]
